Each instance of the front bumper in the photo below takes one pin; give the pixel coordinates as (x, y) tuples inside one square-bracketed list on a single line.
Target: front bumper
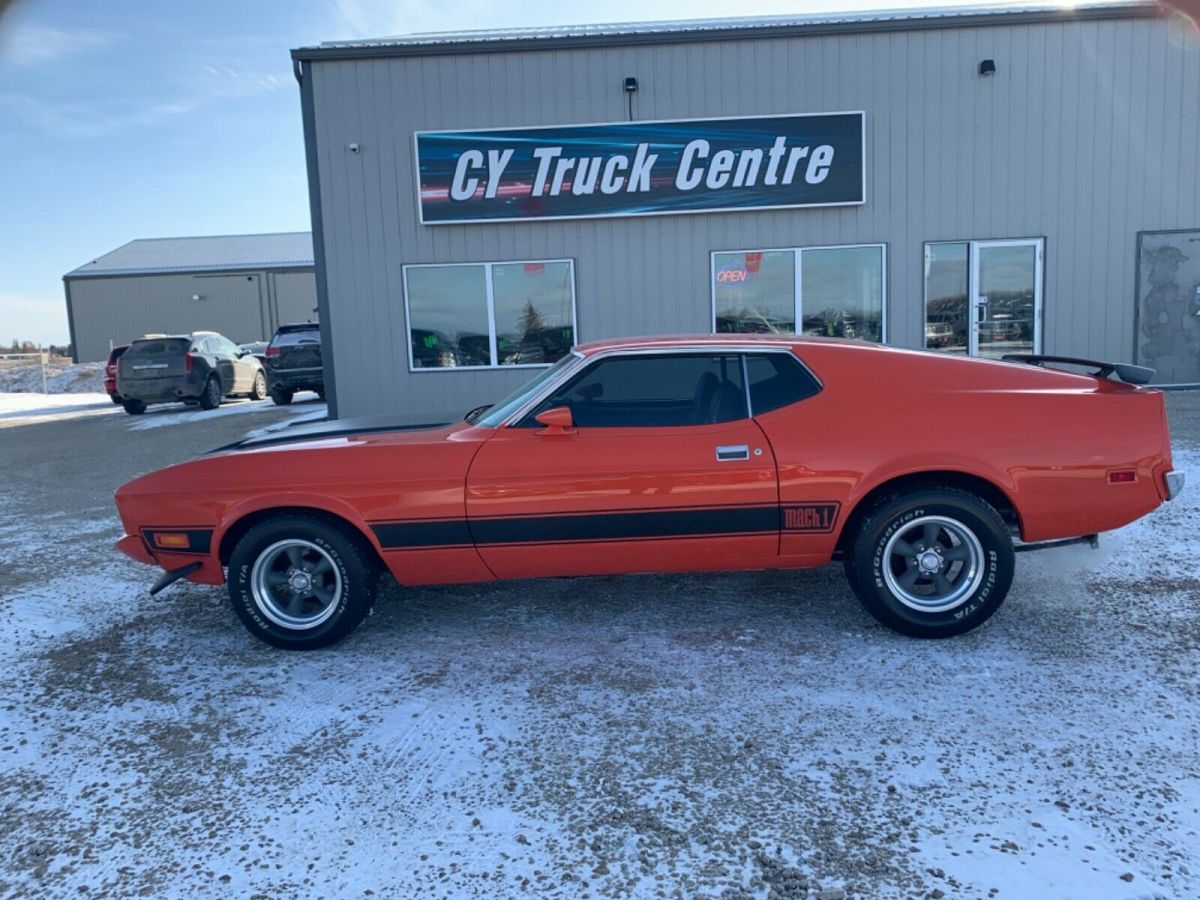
[(135, 548), (1174, 481)]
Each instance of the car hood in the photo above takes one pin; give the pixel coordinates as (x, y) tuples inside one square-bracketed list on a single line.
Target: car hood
[(303, 432)]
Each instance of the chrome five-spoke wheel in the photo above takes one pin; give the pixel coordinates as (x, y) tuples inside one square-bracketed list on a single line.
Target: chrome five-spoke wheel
[(295, 584), (933, 564)]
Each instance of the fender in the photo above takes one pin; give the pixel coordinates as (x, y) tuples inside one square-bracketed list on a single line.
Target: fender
[(295, 499)]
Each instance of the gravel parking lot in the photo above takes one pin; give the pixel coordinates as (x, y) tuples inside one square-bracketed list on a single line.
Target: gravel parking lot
[(710, 735)]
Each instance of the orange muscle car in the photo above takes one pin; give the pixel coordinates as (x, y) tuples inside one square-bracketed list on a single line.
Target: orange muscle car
[(923, 473)]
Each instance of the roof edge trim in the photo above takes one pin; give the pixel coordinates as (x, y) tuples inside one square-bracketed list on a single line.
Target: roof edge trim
[(750, 31)]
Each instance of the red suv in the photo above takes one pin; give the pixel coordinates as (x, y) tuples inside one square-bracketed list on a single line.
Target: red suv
[(110, 372)]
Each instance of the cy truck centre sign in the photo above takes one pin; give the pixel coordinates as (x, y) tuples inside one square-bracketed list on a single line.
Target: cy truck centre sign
[(641, 168)]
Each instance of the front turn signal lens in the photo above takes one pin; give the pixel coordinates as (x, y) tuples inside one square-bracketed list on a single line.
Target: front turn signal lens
[(169, 540)]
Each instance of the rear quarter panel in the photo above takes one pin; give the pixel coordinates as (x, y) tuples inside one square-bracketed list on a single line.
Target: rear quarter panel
[(1046, 439)]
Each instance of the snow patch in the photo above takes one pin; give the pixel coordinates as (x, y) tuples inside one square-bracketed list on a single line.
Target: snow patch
[(68, 378)]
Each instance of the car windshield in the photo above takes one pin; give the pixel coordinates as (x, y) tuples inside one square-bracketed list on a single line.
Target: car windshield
[(502, 410)]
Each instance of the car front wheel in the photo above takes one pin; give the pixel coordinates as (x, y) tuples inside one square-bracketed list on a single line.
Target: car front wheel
[(931, 563), (300, 582)]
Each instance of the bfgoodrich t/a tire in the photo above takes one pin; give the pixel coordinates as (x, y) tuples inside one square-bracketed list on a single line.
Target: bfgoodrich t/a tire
[(301, 582), (931, 563)]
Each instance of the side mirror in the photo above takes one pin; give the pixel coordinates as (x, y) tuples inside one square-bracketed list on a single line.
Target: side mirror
[(557, 421)]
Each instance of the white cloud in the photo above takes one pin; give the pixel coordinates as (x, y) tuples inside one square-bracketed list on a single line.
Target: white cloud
[(29, 44), (91, 120), (383, 18), (28, 317)]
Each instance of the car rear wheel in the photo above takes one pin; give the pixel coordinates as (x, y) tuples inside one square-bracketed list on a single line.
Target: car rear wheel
[(931, 563), (301, 582), (115, 399), (259, 391), (134, 407), (281, 397), (210, 397)]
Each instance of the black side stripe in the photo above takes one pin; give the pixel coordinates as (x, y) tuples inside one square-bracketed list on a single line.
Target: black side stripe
[(626, 526), (436, 533), (644, 524)]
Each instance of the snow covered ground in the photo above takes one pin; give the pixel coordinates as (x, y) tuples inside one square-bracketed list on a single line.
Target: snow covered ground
[(81, 378), (711, 735), (32, 409)]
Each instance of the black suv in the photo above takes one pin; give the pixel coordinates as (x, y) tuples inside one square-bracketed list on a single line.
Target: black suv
[(198, 368), (294, 362)]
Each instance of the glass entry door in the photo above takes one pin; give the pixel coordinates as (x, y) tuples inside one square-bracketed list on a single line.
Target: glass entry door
[(984, 297), (1006, 278)]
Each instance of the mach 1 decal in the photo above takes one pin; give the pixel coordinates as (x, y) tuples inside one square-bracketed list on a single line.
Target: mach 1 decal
[(641, 168)]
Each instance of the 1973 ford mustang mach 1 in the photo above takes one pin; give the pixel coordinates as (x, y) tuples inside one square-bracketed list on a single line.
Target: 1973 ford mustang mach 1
[(924, 473)]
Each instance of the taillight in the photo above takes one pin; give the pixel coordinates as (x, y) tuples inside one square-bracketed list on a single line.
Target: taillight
[(272, 351), (187, 362)]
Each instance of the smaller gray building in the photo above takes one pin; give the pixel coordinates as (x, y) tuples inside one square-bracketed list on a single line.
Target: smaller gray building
[(241, 285)]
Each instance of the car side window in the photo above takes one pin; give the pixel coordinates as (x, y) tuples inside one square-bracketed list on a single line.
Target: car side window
[(647, 391), (777, 380)]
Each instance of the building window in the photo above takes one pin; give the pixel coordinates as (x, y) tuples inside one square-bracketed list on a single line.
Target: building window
[(830, 291), (482, 315)]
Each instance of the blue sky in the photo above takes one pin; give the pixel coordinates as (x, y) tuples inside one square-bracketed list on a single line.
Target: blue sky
[(139, 118)]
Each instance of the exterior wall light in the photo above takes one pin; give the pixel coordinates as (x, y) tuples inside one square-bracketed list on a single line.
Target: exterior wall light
[(987, 67), (631, 86)]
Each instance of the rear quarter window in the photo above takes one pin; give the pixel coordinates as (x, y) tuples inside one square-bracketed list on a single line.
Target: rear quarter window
[(778, 380)]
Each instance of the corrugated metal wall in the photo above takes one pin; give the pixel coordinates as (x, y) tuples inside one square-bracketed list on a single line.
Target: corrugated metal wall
[(1088, 133), (244, 307)]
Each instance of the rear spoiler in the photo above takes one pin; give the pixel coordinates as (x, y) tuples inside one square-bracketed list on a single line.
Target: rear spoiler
[(1124, 371)]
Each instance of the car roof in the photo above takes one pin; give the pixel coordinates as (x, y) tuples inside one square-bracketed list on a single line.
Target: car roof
[(686, 341)]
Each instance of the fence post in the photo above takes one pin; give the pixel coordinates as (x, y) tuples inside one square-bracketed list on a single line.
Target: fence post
[(45, 358)]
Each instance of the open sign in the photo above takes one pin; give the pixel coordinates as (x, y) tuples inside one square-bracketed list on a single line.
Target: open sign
[(732, 276)]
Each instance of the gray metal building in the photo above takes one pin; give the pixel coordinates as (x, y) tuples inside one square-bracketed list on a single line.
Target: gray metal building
[(1025, 179), (242, 286)]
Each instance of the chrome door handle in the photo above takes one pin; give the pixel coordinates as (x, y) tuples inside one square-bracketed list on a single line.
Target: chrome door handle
[(737, 451)]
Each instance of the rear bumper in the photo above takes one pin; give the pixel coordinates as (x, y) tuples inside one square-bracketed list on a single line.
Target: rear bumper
[(160, 390), (296, 379), (1174, 480)]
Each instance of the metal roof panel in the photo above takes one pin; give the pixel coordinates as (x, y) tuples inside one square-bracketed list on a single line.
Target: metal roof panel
[(213, 253)]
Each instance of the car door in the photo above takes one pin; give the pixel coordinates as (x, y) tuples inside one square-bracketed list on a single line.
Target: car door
[(663, 470), (224, 362), (243, 365)]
